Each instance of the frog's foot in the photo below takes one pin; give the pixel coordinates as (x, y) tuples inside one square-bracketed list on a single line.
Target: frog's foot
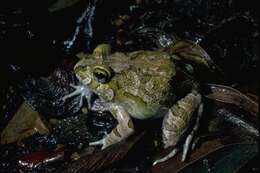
[(176, 122), (102, 142), (108, 140), (79, 90), (186, 146), (188, 140), (123, 129), (170, 155)]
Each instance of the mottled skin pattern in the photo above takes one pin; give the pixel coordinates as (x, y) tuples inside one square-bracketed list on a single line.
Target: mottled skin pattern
[(138, 84)]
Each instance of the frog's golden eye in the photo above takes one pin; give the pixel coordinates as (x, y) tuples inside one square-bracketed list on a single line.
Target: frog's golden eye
[(102, 73)]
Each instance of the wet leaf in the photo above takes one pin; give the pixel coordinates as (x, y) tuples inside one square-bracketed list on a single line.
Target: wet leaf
[(102, 158), (175, 163), (37, 158), (234, 124), (61, 4), (227, 159), (44, 94), (230, 95)]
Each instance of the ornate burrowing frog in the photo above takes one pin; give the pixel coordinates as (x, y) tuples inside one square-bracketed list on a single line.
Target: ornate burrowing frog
[(141, 84)]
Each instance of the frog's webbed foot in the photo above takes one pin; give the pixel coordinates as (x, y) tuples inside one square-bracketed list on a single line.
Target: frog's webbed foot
[(123, 129), (82, 91), (176, 122)]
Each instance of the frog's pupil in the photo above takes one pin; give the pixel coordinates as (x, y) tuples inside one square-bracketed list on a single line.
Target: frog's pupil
[(101, 77)]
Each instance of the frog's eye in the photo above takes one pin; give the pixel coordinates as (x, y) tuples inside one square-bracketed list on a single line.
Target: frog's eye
[(102, 73)]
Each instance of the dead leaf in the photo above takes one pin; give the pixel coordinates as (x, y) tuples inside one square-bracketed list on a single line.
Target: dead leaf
[(229, 158), (230, 95), (102, 158), (24, 123), (174, 164)]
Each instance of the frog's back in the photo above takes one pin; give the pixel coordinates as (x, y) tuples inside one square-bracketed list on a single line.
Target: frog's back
[(144, 83)]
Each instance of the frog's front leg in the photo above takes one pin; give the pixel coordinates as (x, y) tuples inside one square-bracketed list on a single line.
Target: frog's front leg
[(177, 121), (81, 90), (123, 129)]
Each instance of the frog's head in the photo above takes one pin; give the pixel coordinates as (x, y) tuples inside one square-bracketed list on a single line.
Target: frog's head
[(96, 76)]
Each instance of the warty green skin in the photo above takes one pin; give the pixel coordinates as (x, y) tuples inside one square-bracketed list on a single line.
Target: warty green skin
[(140, 84), (140, 81)]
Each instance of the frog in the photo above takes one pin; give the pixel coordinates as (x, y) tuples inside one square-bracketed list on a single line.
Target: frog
[(139, 85)]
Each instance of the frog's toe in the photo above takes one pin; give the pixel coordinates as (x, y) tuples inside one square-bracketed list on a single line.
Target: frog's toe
[(176, 149), (170, 155), (99, 142), (64, 98), (185, 150), (186, 147), (104, 142), (188, 140), (74, 93)]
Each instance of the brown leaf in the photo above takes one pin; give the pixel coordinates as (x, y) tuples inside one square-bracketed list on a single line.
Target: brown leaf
[(102, 158), (174, 164), (24, 123), (230, 95)]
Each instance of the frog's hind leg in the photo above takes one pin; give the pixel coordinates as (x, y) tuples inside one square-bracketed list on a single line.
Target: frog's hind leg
[(192, 133), (123, 129), (190, 51), (177, 121)]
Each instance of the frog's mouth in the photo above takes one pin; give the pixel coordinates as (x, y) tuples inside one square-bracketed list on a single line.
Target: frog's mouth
[(95, 103)]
